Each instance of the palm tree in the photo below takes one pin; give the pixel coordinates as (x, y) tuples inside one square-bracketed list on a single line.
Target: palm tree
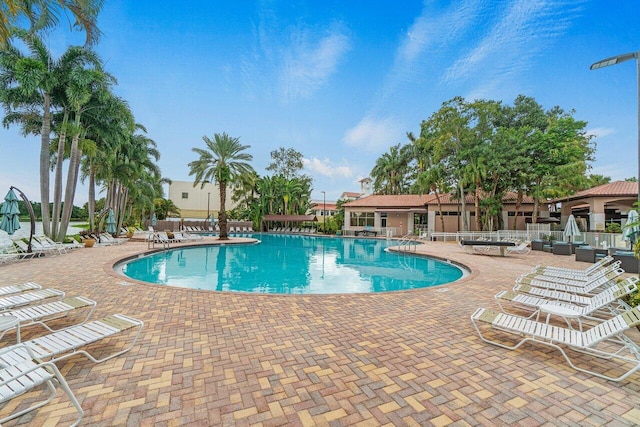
[(390, 171), (31, 88), (43, 14), (222, 162)]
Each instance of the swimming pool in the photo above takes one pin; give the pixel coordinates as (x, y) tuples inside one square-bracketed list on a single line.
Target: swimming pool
[(292, 264)]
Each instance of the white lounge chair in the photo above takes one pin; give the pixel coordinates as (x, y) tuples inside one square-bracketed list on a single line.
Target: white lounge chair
[(571, 273), (522, 249), (14, 289), (597, 280), (605, 340), (36, 248), (551, 276), (43, 313), (16, 300), (21, 376), (72, 341), (46, 242), (574, 310)]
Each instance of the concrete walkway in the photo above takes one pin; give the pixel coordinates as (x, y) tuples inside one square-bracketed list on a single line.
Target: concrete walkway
[(406, 358)]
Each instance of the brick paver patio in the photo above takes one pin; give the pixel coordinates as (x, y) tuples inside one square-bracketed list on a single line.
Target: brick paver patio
[(405, 358)]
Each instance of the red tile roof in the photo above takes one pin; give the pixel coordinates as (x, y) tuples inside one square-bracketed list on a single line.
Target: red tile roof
[(419, 200), (351, 194), (392, 201), (612, 189)]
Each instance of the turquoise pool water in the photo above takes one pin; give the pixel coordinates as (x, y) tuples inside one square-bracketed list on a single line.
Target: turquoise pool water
[(293, 264)]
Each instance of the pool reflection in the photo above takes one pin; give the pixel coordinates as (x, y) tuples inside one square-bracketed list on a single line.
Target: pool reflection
[(293, 264)]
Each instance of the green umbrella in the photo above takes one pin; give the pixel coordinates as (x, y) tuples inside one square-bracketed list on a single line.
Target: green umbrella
[(154, 220), (111, 222), (10, 213)]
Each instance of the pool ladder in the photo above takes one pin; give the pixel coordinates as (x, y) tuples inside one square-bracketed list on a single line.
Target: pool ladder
[(407, 242)]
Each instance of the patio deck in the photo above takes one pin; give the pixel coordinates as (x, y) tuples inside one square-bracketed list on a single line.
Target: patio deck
[(405, 358)]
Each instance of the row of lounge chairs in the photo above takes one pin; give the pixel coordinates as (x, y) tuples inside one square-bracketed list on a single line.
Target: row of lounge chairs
[(27, 365), (572, 311), (293, 230), (14, 250)]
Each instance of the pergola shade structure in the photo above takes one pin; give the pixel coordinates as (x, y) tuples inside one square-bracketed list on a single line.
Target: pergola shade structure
[(286, 219)]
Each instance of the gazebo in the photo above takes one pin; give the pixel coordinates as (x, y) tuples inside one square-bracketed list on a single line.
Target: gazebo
[(285, 219)]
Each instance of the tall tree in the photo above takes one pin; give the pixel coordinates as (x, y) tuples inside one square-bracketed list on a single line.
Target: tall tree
[(44, 14), (286, 162), (391, 171), (222, 162)]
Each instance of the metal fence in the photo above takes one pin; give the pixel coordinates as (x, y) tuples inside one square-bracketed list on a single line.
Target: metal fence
[(594, 239)]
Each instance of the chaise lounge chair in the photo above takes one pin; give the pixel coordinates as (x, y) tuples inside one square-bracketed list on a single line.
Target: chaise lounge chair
[(67, 342), (586, 307), (522, 249), (14, 289), (606, 340), (11, 301), (571, 273), (580, 286), (21, 376), (44, 313)]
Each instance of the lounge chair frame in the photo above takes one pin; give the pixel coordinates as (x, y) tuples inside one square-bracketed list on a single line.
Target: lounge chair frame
[(20, 376), (44, 313), (588, 342), (68, 342)]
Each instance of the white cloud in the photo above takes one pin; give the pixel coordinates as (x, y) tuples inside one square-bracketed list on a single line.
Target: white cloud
[(308, 64), (427, 36), (326, 168), (600, 132), (374, 134), (509, 43)]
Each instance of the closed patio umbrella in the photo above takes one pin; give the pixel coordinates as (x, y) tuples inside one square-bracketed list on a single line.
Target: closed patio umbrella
[(631, 227), (571, 228), (10, 213), (154, 220), (111, 222)]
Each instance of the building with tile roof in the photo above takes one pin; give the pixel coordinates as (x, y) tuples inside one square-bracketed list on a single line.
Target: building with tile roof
[(601, 205), (403, 214)]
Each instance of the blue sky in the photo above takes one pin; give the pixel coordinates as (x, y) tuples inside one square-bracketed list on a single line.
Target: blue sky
[(342, 81)]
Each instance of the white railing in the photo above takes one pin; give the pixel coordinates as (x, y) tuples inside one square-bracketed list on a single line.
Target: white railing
[(408, 241), (521, 235), (592, 238)]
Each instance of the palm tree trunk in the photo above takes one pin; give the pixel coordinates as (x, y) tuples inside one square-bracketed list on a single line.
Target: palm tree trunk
[(92, 198), (440, 210), (72, 181), (465, 224), (57, 186), (222, 221), (45, 164), (477, 209)]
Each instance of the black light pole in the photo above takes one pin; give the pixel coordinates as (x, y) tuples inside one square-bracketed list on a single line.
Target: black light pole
[(208, 194), (324, 212), (616, 60)]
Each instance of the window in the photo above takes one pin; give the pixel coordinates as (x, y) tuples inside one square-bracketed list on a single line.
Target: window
[(185, 195), (362, 219)]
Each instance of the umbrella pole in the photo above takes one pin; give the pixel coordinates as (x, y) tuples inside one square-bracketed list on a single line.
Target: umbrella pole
[(31, 215)]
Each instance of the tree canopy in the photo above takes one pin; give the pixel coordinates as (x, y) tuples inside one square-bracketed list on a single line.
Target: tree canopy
[(486, 149)]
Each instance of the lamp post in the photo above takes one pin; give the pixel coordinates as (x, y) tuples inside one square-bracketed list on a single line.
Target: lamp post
[(616, 60), (324, 212), (208, 196)]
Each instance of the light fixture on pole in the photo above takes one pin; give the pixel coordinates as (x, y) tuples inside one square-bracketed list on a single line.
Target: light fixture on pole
[(208, 195), (324, 212), (616, 60)]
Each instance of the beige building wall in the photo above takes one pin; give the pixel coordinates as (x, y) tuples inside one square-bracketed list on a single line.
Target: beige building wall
[(193, 202)]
